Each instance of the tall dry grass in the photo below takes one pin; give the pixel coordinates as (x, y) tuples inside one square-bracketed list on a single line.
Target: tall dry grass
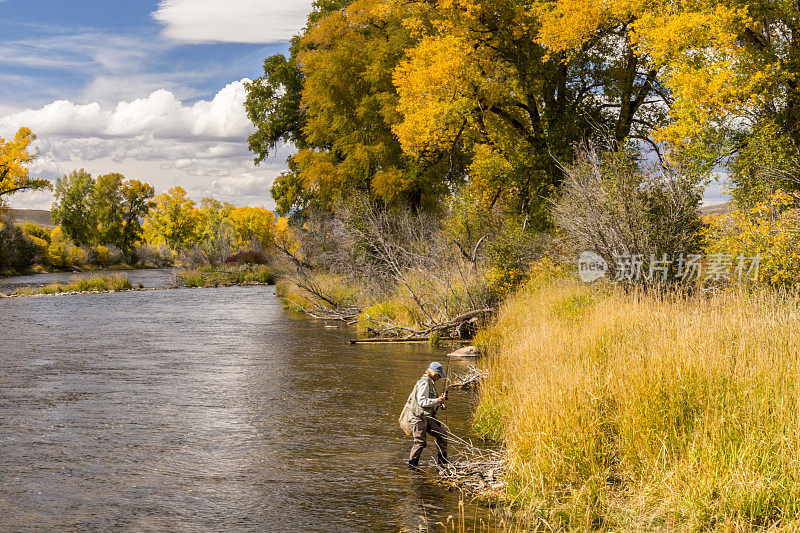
[(641, 412)]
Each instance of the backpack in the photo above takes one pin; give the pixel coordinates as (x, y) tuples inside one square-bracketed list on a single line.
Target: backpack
[(405, 425)]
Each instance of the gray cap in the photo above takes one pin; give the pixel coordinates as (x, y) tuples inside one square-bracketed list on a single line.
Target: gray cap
[(438, 368)]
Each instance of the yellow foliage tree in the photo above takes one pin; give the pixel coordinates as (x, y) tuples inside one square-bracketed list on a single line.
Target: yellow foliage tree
[(767, 231), (175, 219), (15, 156), (253, 226), (728, 65)]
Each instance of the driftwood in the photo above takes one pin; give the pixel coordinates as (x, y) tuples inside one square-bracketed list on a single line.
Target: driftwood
[(389, 339), (482, 477), (473, 469), (470, 380), (424, 334)]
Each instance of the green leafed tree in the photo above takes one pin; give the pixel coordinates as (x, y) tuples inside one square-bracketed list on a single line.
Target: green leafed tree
[(107, 205), (136, 202), (73, 208)]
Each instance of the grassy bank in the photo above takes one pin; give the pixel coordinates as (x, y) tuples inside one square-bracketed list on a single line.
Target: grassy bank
[(214, 277), (637, 411), (95, 284)]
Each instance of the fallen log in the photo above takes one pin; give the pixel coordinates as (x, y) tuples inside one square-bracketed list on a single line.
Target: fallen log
[(460, 319), (389, 339)]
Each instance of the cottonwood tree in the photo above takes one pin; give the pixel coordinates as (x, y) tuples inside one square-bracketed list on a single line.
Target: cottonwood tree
[(15, 156), (107, 200), (504, 75), (73, 208), (175, 218), (137, 200), (335, 100)]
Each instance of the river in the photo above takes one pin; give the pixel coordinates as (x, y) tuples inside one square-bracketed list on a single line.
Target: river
[(207, 410)]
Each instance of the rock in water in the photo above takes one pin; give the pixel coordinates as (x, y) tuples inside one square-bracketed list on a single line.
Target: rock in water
[(466, 351)]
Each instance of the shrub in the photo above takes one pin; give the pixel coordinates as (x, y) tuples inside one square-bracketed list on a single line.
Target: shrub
[(35, 230), (17, 250), (57, 255), (249, 257), (193, 279), (262, 275), (767, 230), (159, 256), (77, 255), (101, 255), (611, 206), (41, 247)]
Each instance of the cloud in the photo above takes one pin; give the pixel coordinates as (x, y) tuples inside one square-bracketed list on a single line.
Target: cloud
[(246, 184), (159, 116), (200, 146), (232, 21)]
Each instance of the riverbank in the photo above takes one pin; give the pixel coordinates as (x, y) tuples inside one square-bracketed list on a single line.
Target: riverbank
[(632, 411), (215, 277), (87, 285), (91, 284), (43, 269)]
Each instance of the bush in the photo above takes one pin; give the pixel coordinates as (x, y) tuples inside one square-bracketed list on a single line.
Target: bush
[(58, 256), (77, 255), (610, 206), (17, 250), (249, 257), (767, 230), (159, 256), (100, 255), (35, 230)]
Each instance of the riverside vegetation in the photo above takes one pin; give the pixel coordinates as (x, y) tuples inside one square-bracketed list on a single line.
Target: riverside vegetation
[(636, 410), (92, 284)]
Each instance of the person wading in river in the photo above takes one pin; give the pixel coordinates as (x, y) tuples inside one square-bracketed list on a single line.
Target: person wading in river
[(420, 409)]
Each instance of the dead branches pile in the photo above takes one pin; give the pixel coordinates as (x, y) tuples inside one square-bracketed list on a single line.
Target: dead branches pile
[(470, 380), (478, 470)]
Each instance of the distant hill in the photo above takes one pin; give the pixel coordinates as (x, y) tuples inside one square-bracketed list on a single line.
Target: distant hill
[(718, 209), (37, 216)]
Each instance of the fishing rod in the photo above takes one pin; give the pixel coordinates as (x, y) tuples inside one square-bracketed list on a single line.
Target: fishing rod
[(446, 386)]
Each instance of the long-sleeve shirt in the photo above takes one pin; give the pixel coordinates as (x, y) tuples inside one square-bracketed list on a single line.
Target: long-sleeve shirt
[(425, 397)]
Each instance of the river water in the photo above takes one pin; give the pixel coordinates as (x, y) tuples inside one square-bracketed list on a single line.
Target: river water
[(207, 410)]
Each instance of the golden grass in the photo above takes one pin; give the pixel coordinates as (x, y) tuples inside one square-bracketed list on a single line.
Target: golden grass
[(91, 284), (641, 412)]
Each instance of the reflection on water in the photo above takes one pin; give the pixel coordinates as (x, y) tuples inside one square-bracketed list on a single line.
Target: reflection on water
[(206, 410)]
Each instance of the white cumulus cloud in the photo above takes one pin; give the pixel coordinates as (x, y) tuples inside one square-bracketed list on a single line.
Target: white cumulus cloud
[(201, 146), (232, 21), (159, 115)]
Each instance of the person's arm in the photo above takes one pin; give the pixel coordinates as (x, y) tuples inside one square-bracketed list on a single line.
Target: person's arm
[(422, 396)]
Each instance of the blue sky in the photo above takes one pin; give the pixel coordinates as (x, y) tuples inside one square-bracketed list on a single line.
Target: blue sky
[(151, 89)]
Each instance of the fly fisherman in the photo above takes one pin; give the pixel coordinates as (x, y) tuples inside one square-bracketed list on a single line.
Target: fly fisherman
[(419, 416)]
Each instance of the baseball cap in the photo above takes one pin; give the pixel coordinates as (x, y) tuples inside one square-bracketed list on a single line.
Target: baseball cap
[(438, 368)]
